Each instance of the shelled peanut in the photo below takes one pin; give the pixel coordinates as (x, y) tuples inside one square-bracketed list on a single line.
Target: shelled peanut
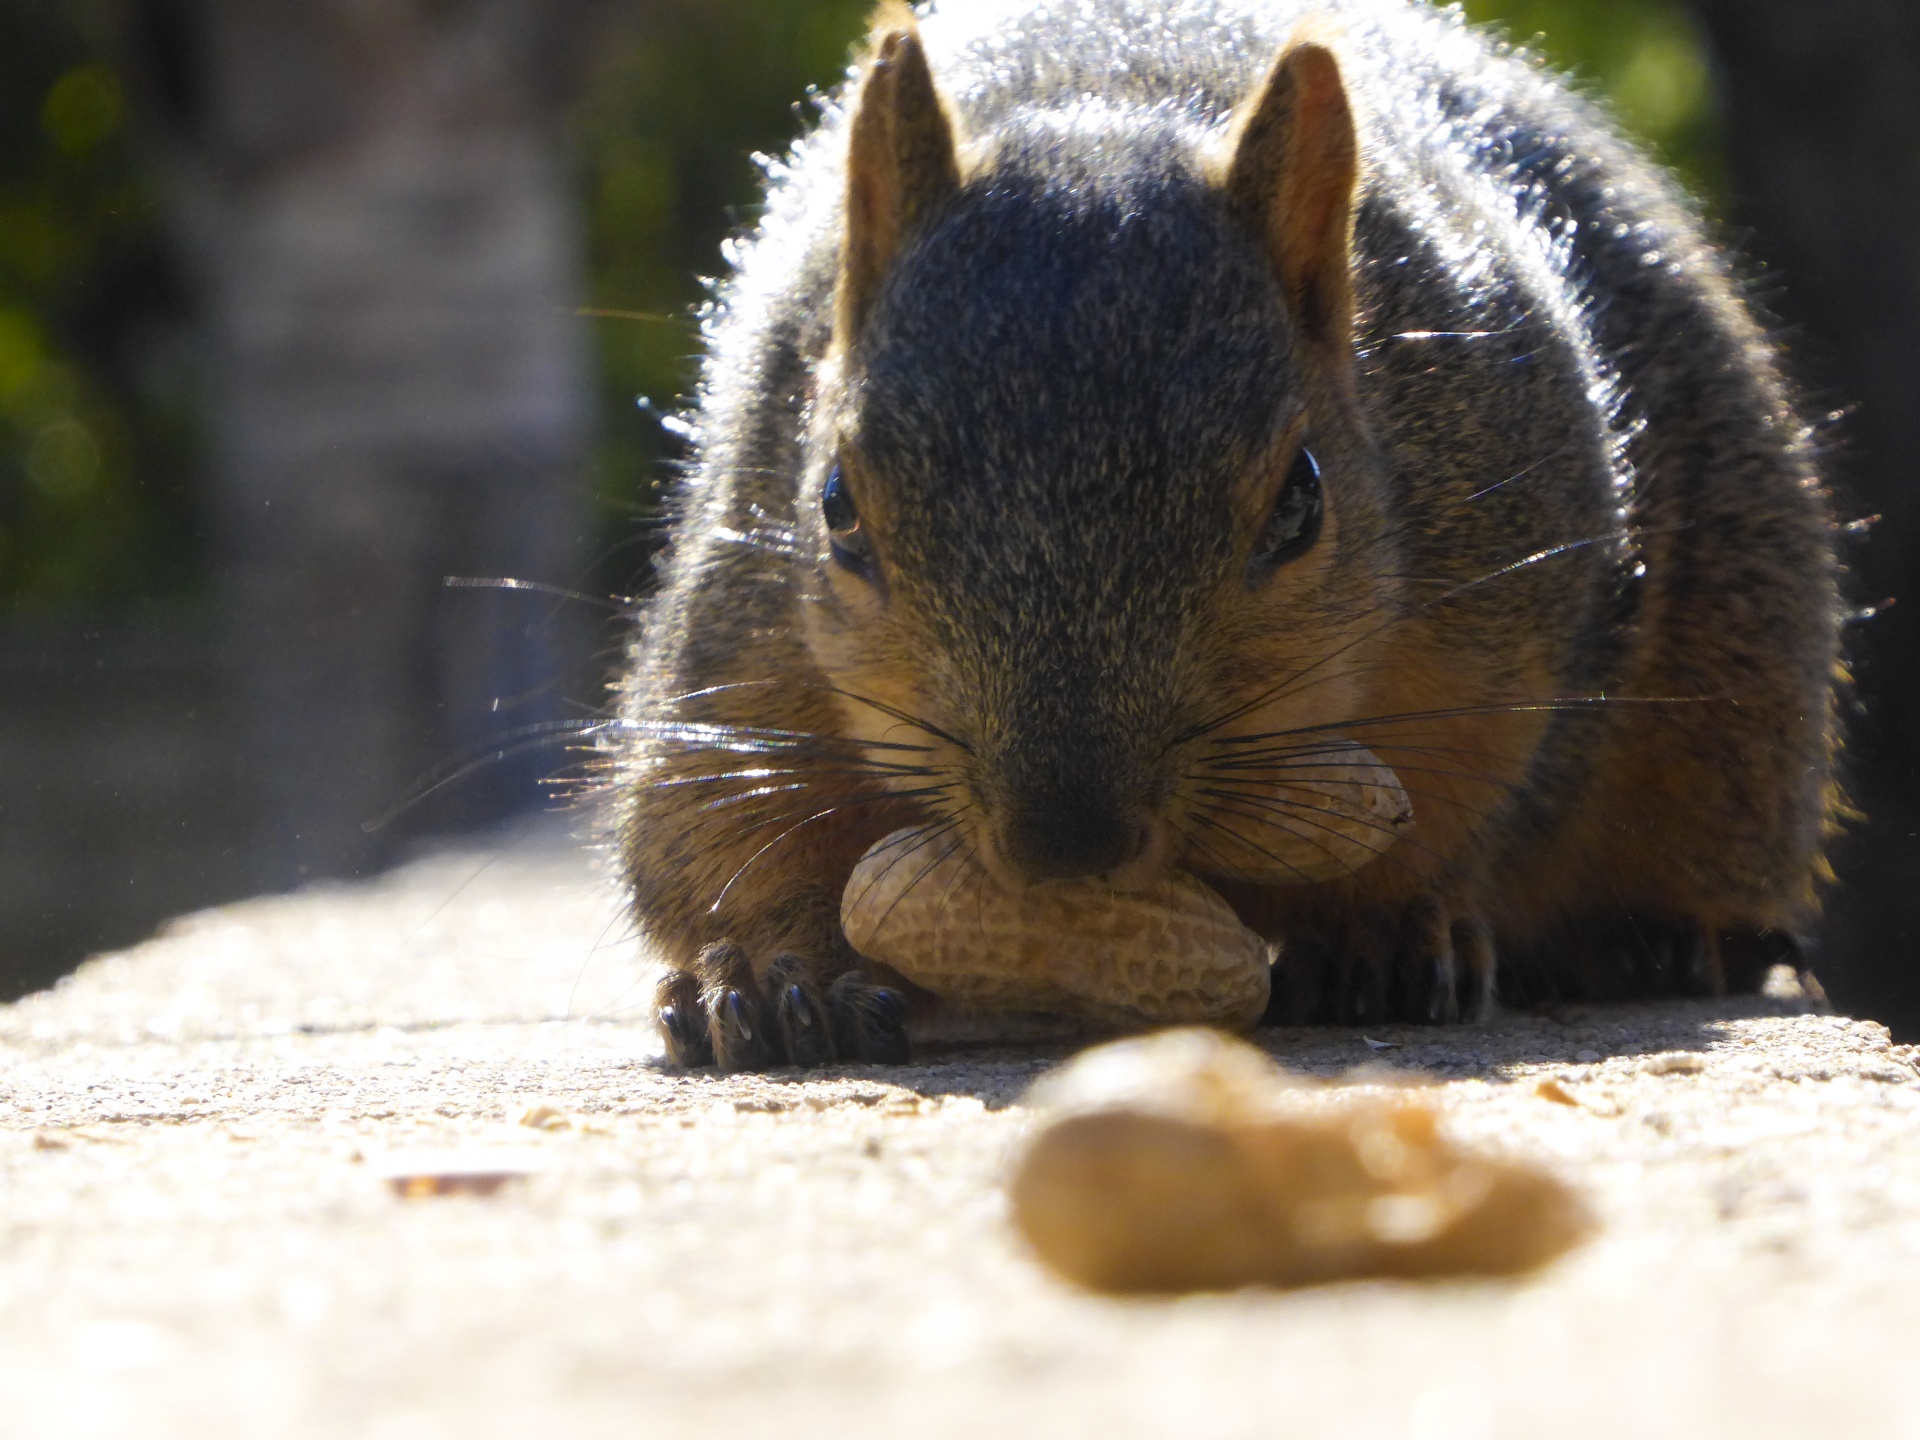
[(1190, 1161)]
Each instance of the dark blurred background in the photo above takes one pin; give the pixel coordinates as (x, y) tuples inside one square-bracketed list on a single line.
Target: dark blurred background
[(307, 307)]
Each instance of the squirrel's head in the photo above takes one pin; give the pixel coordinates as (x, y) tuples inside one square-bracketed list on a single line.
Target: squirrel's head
[(1087, 483)]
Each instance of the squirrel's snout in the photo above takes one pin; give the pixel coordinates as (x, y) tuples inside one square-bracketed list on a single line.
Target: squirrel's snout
[(1070, 838)]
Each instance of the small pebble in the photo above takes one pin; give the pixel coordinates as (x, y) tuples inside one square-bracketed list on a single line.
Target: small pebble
[(476, 1170), (544, 1116), (1551, 1089), (1679, 1062)]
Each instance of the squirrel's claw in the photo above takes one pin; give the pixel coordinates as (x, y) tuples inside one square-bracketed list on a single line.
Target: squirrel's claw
[(1363, 988), (717, 1013), (730, 1000), (800, 1016), (1477, 964), (1422, 967), (682, 1023), (869, 1020), (1427, 959), (739, 1035)]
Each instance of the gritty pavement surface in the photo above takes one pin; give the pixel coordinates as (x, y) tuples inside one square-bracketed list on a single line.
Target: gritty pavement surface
[(198, 1236)]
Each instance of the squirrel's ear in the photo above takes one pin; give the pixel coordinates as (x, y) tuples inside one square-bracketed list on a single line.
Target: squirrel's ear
[(902, 163), (1293, 172)]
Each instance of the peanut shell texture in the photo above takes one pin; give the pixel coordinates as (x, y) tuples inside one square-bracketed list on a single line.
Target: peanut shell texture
[(1302, 813), (1189, 1161), (1172, 954)]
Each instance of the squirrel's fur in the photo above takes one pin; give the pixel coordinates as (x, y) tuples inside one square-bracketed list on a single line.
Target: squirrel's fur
[(1058, 294)]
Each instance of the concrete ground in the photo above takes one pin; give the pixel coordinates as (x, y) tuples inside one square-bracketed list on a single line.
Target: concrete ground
[(197, 1237)]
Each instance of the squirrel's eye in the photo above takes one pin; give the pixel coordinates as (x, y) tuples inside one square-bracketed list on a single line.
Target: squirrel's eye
[(850, 546), (1295, 523)]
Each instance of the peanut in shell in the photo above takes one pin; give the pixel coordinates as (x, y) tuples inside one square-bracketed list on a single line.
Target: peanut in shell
[(1171, 954), (1317, 811), (1189, 1161)]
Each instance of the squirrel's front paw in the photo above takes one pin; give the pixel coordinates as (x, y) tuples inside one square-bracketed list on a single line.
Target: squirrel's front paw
[(1423, 965), (718, 1013)]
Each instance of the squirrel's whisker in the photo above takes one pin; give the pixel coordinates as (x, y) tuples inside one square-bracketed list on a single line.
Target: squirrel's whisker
[(810, 772), (921, 840), (1518, 707), (1398, 742), (742, 797), (932, 865), (1191, 843), (782, 543), (1244, 771), (536, 587), (970, 868), (531, 738), (1266, 796), (1297, 813), (751, 859), (1285, 687), (905, 717), (857, 801), (706, 690), (1261, 806), (1244, 782), (1211, 819), (752, 739), (1498, 484)]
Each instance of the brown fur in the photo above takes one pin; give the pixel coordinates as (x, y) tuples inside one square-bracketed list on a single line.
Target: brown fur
[(1574, 581), (1295, 164), (901, 164)]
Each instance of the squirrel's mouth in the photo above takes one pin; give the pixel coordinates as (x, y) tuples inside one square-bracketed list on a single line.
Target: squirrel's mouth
[(1062, 838), (1301, 820)]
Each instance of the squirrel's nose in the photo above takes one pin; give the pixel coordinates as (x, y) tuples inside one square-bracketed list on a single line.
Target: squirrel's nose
[(1067, 838)]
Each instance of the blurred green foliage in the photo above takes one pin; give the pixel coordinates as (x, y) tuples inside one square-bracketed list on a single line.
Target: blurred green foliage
[(688, 94), (97, 460), (96, 452), (1645, 59)]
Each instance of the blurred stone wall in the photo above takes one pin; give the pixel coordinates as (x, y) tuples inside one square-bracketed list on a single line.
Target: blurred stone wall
[(377, 199), (118, 783), (378, 218)]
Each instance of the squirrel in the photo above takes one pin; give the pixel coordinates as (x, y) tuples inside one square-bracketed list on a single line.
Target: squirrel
[(1119, 404)]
